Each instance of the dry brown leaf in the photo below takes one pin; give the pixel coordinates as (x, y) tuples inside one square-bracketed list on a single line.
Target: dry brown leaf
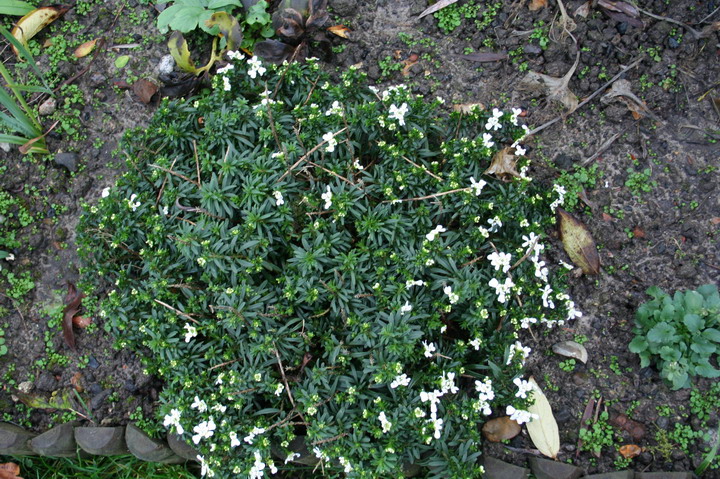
[(555, 89), (621, 90), (144, 89), (9, 470), (629, 451), (340, 31), (715, 221), (583, 10), (638, 232), (503, 165), (76, 382), (437, 6), (607, 217), (81, 322), (32, 23), (632, 427), (73, 299), (500, 429), (578, 243), (571, 349), (467, 108), (537, 5), (85, 49), (409, 63)]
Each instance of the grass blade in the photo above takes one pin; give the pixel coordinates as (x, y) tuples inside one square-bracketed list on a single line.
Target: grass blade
[(15, 7), (24, 53)]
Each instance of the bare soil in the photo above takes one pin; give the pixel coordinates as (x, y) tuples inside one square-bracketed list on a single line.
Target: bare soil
[(665, 236)]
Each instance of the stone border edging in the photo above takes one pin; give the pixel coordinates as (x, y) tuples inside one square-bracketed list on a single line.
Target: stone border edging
[(67, 440)]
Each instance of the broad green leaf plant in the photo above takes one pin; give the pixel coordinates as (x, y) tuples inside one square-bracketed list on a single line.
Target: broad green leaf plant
[(679, 334), (322, 273)]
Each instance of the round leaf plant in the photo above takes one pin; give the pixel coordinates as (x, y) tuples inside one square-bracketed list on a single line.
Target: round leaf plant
[(322, 273)]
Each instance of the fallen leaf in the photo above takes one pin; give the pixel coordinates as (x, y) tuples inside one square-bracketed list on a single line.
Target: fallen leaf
[(620, 7), (73, 299), (500, 429), (437, 6), (468, 108), (85, 49), (32, 23), (409, 63), (76, 382), (715, 221), (340, 30), (503, 165), (578, 243), (583, 10), (9, 470), (483, 57), (634, 428), (537, 5), (543, 430), (121, 61), (585, 421), (621, 90), (571, 349), (556, 89), (638, 233), (81, 322), (607, 217), (628, 451), (144, 89)]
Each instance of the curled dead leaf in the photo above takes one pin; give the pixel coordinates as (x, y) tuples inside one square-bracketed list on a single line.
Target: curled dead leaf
[(537, 5), (340, 30), (583, 10), (468, 108), (500, 429), (571, 349), (76, 382), (145, 90), (32, 23), (81, 322), (578, 243), (621, 90), (503, 165), (409, 63), (556, 89), (85, 49), (73, 300), (628, 451)]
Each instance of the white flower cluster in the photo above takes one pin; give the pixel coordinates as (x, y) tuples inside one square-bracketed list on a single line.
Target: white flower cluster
[(447, 385), (561, 192), (257, 470), (279, 200), (329, 138), (398, 113), (494, 122), (335, 109), (401, 380), (500, 261), (452, 297), (132, 204), (256, 68), (173, 419), (190, 332), (327, 197), (436, 231), (406, 308), (502, 290), (477, 186), (486, 394), (429, 349), (517, 349), (384, 422), (520, 416), (523, 386), (255, 432), (204, 430), (413, 282)]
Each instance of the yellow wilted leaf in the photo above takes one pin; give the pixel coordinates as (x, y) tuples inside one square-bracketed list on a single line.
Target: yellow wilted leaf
[(578, 243), (543, 430), (179, 51), (85, 49), (29, 25)]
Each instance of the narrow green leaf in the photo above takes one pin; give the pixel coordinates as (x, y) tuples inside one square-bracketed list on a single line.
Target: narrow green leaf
[(15, 8)]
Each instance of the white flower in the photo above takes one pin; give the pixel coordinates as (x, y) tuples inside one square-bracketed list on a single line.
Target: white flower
[(251, 437), (320, 454), (547, 302), (234, 441), (335, 109), (437, 426), (567, 266), (485, 389), (257, 470), (384, 423), (10, 257), (475, 343), (357, 165), (226, 83), (447, 383), (132, 203), (514, 117), (201, 261), (519, 415), (540, 270), (234, 55), (205, 468), (173, 419), (105, 192), (411, 282), (495, 224), (331, 141), (279, 200), (399, 113), (292, 456), (191, 332), (500, 260), (501, 289), (429, 349), (494, 122), (199, 404), (256, 67), (327, 196), (345, 463), (572, 312), (219, 408), (165, 210), (452, 297), (517, 348), (438, 229), (519, 150), (487, 140), (401, 380), (526, 322), (477, 186), (203, 430), (406, 308), (524, 387), (279, 389)]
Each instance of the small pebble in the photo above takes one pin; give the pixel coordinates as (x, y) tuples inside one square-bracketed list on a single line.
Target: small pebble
[(47, 107), (92, 362)]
